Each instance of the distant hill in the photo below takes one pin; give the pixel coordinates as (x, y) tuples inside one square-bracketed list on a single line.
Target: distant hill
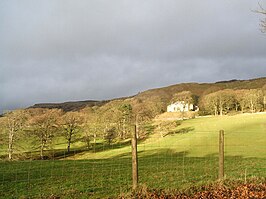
[(74, 105), (164, 94), (70, 106)]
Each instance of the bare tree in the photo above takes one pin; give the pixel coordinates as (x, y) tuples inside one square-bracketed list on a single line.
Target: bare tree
[(2, 130), (110, 135), (71, 122), (241, 102), (254, 100), (219, 102), (143, 114), (127, 115), (262, 11), (13, 122), (263, 89), (92, 125), (210, 103), (44, 124), (226, 100)]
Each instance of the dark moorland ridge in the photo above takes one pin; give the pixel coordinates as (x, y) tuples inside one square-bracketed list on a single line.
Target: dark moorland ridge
[(70, 106), (164, 94), (73, 105)]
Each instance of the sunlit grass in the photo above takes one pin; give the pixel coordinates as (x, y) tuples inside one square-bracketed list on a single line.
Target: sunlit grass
[(173, 162)]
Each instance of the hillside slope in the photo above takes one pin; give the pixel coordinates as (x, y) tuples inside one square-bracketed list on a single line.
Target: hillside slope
[(163, 95), (202, 88)]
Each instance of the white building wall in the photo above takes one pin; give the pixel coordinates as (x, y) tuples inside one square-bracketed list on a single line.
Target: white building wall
[(179, 106)]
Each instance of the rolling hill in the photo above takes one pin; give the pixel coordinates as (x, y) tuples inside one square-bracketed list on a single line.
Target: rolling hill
[(163, 94)]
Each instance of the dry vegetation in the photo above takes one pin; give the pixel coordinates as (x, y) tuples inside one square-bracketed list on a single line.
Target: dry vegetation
[(240, 191)]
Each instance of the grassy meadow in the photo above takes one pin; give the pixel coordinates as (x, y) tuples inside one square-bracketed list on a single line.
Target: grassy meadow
[(188, 157)]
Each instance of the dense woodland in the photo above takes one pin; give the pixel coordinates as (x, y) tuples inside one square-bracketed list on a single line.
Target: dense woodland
[(113, 120)]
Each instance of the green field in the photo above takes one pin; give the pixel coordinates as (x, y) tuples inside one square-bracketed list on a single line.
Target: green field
[(177, 161)]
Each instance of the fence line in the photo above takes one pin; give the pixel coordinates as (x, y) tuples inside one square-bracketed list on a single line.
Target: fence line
[(170, 162)]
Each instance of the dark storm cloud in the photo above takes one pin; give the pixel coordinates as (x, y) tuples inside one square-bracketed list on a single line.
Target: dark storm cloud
[(73, 50)]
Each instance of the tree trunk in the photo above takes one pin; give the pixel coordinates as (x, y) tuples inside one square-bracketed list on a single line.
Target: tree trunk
[(124, 129), (88, 143), (264, 102), (10, 144), (221, 106), (94, 136), (87, 139), (105, 130), (215, 110), (94, 139), (42, 148), (252, 106), (68, 145), (69, 141)]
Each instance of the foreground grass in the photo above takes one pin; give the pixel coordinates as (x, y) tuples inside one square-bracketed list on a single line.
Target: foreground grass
[(112, 177), (177, 161)]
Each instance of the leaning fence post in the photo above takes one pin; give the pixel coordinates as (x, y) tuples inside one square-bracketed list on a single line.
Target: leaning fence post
[(134, 159), (221, 155)]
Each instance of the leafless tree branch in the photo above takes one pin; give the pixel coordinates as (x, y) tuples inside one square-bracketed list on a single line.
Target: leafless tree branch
[(262, 11)]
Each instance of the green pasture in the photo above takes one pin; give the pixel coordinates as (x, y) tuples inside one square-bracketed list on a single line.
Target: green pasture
[(187, 157), (244, 136)]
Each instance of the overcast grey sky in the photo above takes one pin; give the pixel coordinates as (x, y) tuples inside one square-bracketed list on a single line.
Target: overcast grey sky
[(61, 50)]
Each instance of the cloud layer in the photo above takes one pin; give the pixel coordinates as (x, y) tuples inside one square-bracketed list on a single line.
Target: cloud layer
[(52, 51)]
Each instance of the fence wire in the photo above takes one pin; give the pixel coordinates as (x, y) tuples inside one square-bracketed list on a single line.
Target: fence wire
[(172, 162)]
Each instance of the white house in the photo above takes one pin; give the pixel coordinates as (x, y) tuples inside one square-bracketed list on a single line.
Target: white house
[(180, 106)]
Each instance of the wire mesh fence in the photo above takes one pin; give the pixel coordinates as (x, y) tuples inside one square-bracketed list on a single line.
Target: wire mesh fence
[(174, 161), (44, 178)]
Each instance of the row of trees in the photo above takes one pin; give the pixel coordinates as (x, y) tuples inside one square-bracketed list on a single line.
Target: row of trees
[(42, 126), (224, 101), (39, 125), (227, 100)]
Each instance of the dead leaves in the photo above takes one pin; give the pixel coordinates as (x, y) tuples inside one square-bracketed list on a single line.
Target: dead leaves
[(244, 191)]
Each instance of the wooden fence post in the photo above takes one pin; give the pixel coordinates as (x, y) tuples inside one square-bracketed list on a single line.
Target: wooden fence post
[(134, 159), (221, 155)]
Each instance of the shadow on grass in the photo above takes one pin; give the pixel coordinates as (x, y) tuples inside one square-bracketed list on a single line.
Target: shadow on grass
[(94, 148), (158, 169), (180, 131)]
